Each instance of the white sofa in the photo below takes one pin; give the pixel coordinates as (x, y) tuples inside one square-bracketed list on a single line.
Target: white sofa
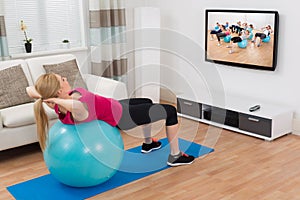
[(17, 124)]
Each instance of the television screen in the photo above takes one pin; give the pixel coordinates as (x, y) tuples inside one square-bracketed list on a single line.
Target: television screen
[(243, 38)]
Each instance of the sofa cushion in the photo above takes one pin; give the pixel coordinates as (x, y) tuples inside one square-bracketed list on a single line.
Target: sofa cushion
[(10, 63), (68, 69), (13, 83), (22, 115), (35, 65)]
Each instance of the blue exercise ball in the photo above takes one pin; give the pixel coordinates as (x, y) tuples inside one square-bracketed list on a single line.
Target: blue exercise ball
[(227, 38), (243, 44), (266, 39), (85, 154), (250, 36)]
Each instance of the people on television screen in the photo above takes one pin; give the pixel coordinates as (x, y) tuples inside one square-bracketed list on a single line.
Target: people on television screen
[(226, 25), (225, 32), (243, 36), (260, 36), (250, 28), (244, 26), (217, 29), (236, 27)]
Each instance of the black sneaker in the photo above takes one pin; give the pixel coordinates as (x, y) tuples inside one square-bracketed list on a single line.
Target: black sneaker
[(147, 148), (180, 159)]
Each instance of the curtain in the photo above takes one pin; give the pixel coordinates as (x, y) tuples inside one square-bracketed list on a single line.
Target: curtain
[(107, 26), (3, 39)]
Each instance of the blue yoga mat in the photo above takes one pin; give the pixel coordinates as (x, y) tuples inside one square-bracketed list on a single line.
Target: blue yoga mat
[(135, 165)]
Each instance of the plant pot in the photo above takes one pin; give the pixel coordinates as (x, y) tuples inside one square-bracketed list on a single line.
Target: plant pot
[(66, 45), (28, 47)]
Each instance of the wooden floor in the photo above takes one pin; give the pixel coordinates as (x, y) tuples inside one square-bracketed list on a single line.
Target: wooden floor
[(242, 167), (261, 56)]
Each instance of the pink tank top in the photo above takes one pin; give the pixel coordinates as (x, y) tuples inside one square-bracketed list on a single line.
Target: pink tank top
[(100, 108)]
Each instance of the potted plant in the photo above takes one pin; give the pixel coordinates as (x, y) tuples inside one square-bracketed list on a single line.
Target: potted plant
[(66, 44), (27, 40)]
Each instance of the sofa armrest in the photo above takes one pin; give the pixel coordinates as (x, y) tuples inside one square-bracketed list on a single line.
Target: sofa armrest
[(106, 87)]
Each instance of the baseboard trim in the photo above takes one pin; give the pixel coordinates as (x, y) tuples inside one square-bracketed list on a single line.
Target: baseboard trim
[(167, 95), (296, 127)]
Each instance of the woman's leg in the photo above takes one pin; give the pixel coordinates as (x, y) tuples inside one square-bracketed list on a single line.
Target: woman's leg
[(176, 157), (232, 28), (147, 113), (136, 113), (257, 35), (172, 135), (261, 37), (146, 128), (147, 133), (212, 33), (144, 114), (234, 40), (259, 42), (219, 35), (230, 43), (241, 30)]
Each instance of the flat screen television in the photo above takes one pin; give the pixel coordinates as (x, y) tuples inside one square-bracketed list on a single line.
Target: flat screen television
[(258, 33)]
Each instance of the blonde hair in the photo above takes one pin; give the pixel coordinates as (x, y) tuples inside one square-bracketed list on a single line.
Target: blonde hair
[(47, 86)]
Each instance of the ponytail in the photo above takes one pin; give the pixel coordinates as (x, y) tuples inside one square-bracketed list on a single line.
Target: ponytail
[(42, 123), (46, 87)]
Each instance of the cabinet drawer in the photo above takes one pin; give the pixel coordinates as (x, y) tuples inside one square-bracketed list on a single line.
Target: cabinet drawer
[(190, 108), (256, 125), (222, 116)]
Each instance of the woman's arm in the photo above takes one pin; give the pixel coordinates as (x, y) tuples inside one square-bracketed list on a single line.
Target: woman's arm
[(77, 108)]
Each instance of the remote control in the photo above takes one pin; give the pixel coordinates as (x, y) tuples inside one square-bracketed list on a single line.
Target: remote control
[(254, 108)]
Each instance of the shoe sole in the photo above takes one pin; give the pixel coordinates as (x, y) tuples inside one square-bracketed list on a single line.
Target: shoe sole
[(179, 164), (153, 149)]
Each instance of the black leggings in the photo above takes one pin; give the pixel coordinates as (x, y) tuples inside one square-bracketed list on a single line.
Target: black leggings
[(141, 111), (236, 28), (236, 39), (219, 35), (261, 35), (215, 32)]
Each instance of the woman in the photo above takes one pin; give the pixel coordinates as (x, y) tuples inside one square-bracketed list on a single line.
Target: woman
[(224, 33), (236, 28), (245, 35), (266, 32), (215, 31), (79, 106)]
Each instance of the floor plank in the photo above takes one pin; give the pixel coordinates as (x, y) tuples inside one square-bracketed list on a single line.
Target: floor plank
[(261, 56), (241, 167)]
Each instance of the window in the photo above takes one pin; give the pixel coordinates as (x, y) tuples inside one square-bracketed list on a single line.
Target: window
[(48, 23)]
